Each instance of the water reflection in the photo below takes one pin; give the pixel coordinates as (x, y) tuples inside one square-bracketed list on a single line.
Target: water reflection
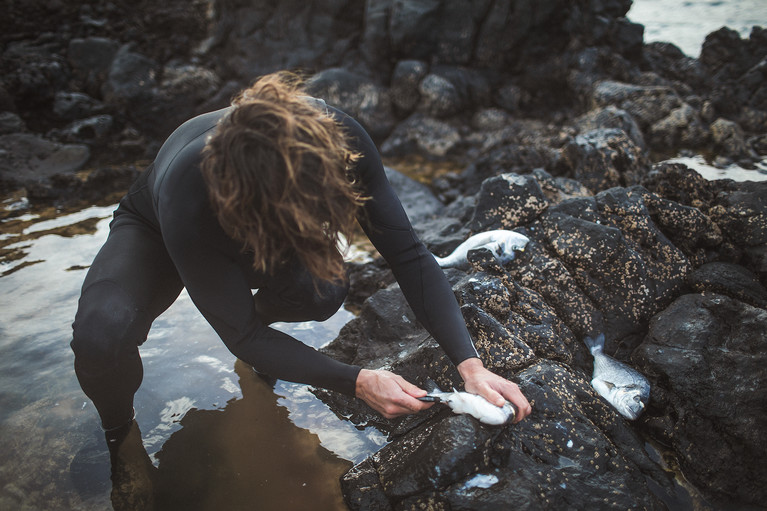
[(216, 436), (249, 452)]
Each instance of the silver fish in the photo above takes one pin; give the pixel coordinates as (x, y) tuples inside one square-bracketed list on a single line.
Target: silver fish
[(500, 242), (474, 405), (622, 386)]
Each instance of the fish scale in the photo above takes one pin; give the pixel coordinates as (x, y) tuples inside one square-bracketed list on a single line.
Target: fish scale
[(501, 243), (625, 388), (474, 405)]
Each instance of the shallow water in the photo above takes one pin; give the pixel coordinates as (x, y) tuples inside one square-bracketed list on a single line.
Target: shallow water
[(733, 172), (219, 437)]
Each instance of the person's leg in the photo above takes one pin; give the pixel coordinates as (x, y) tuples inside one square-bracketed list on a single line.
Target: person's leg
[(293, 295), (131, 281), (133, 475)]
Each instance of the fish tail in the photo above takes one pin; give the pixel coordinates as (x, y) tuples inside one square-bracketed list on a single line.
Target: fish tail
[(595, 344)]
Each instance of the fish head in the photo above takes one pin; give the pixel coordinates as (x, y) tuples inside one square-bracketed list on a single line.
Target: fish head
[(499, 252), (510, 410), (511, 243), (630, 402)]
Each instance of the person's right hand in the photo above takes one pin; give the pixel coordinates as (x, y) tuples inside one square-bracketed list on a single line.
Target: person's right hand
[(389, 394), (493, 387)]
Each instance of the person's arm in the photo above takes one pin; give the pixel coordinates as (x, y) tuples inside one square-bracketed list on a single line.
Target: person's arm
[(421, 279), (206, 260)]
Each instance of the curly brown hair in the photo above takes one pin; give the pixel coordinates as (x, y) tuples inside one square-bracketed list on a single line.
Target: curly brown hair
[(277, 168)]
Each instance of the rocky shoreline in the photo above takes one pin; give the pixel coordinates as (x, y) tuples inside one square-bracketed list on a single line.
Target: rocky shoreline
[(653, 274), (554, 112)]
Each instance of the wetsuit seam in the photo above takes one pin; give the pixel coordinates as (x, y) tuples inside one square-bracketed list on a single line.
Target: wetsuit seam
[(159, 182), (421, 272)]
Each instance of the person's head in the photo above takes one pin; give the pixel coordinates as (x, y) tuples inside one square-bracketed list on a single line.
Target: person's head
[(276, 167)]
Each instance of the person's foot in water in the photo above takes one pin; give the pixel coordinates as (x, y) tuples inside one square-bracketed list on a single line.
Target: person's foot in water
[(132, 470)]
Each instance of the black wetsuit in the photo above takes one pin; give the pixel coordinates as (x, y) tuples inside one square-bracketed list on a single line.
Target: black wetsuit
[(164, 237)]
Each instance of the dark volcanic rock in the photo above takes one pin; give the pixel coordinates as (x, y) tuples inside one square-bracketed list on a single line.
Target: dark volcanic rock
[(433, 456), (618, 257), (574, 453), (681, 128), (538, 270), (739, 74), (732, 280), (667, 60), (727, 55), (11, 123), (72, 106), (688, 228), (260, 37), (741, 213), (729, 139), (130, 79), (417, 199), (604, 158), (91, 59), (27, 159), (612, 117), (421, 135), (647, 104), (356, 95), (406, 77), (707, 352), (507, 201), (91, 130), (386, 60), (737, 210), (499, 349), (439, 97), (594, 264)]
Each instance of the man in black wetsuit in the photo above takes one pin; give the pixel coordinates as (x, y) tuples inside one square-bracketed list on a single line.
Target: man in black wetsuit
[(200, 217)]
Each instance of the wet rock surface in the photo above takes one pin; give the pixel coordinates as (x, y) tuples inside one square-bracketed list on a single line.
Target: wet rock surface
[(706, 351), (655, 276), (554, 112)]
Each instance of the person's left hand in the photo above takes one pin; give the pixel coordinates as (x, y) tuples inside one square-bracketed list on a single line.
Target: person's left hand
[(492, 387)]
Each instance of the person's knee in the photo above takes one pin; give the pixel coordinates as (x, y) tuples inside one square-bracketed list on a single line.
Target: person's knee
[(328, 299), (105, 326)]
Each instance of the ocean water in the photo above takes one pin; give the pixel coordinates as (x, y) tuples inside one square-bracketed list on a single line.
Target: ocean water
[(686, 23), (733, 171)]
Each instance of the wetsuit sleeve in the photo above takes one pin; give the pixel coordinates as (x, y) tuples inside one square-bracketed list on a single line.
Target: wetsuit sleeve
[(207, 263), (420, 278)]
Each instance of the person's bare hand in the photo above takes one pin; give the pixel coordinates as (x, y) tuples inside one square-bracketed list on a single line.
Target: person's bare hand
[(492, 387), (389, 394)]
